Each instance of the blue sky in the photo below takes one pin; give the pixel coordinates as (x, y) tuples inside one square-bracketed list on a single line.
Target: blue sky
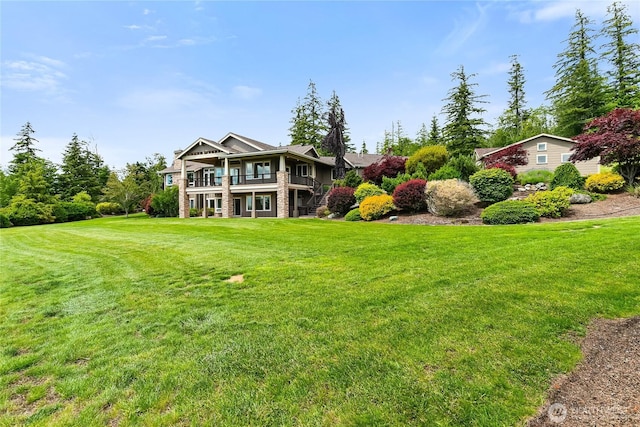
[(136, 78)]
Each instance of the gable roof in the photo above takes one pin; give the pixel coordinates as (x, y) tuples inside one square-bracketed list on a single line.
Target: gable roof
[(309, 150), (207, 142), (260, 146), (484, 152)]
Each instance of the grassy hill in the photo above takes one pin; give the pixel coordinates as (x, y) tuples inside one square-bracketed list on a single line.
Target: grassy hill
[(132, 321)]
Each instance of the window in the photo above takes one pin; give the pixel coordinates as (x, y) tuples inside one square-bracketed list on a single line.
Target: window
[(258, 170), (215, 204), (542, 146), (565, 157), (191, 179), (169, 180), (303, 169), (218, 177), (207, 176), (192, 203), (235, 176), (263, 203), (541, 159)]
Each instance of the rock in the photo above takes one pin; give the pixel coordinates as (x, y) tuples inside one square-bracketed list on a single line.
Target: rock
[(541, 186), (331, 216), (527, 187), (522, 189), (393, 218), (579, 199)]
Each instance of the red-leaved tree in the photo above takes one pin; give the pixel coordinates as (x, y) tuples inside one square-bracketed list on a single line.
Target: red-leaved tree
[(512, 156), (614, 137), (389, 166)]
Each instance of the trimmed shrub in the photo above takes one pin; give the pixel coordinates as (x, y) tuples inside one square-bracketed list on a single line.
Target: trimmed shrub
[(353, 215), (567, 175), (409, 196), (551, 204), (449, 197), (510, 212), (352, 179), (465, 165), (535, 176), (505, 167), (60, 213), (375, 207), (492, 185), (194, 212), (4, 221), (634, 190), (340, 200), (445, 172), (108, 208), (389, 184), (166, 203), (433, 157), (78, 211), (366, 189), (605, 182), (322, 211)]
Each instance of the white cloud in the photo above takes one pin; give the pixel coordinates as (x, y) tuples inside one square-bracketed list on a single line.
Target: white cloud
[(146, 11), (39, 74), (133, 27), (154, 39), (464, 29), (162, 100), (547, 11), (246, 92)]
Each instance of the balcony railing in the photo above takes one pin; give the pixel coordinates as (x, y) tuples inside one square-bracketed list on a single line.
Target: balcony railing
[(266, 178)]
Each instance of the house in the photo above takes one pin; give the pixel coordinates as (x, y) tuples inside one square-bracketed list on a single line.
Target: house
[(242, 177), (544, 152)]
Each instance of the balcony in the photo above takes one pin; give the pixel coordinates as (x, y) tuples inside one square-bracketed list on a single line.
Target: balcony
[(266, 178)]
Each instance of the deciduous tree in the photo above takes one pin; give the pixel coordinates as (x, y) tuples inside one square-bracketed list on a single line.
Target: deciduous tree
[(614, 137)]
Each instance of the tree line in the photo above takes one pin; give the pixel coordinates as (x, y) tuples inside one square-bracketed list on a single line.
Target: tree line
[(34, 190), (581, 92)]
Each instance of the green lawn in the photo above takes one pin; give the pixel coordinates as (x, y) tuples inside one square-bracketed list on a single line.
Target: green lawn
[(131, 321)]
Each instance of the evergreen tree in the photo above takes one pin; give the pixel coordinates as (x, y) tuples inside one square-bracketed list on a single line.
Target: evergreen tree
[(308, 125), (623, 55), (363, 149), (82, 170), (422, 137), (515, 114), (579, 93), (24, 149), (435, 137), (463, 132)]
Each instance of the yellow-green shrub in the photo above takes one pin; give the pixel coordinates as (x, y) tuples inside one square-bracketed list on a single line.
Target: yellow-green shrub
[(551, 204), (367, 189), (374, 207), (604, 182)]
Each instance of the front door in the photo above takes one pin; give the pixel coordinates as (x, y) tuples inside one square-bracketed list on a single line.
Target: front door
[(237, 207)]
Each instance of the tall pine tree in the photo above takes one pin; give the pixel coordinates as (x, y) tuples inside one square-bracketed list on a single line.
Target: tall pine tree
[(579, 93), (82, 170), (463, 131), (333, 104), (516, 111), (24, 148), (308, 126), (623, 55)]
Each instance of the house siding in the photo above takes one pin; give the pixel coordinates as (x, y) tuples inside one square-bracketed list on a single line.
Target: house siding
[(554, 151)]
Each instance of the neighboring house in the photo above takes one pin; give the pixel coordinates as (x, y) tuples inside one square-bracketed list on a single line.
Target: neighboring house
[(355, 161), (545, 152), (241, 177)]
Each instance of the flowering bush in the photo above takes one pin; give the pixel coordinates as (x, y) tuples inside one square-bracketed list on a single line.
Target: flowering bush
[(449, 197), (492, 185), (604, 182), (340, 200), (375, 207), (108, 208), (410, 195), (365, 190)]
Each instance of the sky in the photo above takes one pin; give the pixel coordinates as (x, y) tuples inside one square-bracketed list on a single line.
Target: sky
[(134, 78)]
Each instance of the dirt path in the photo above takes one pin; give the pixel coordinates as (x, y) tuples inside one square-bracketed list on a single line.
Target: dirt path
[(604, 389)]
